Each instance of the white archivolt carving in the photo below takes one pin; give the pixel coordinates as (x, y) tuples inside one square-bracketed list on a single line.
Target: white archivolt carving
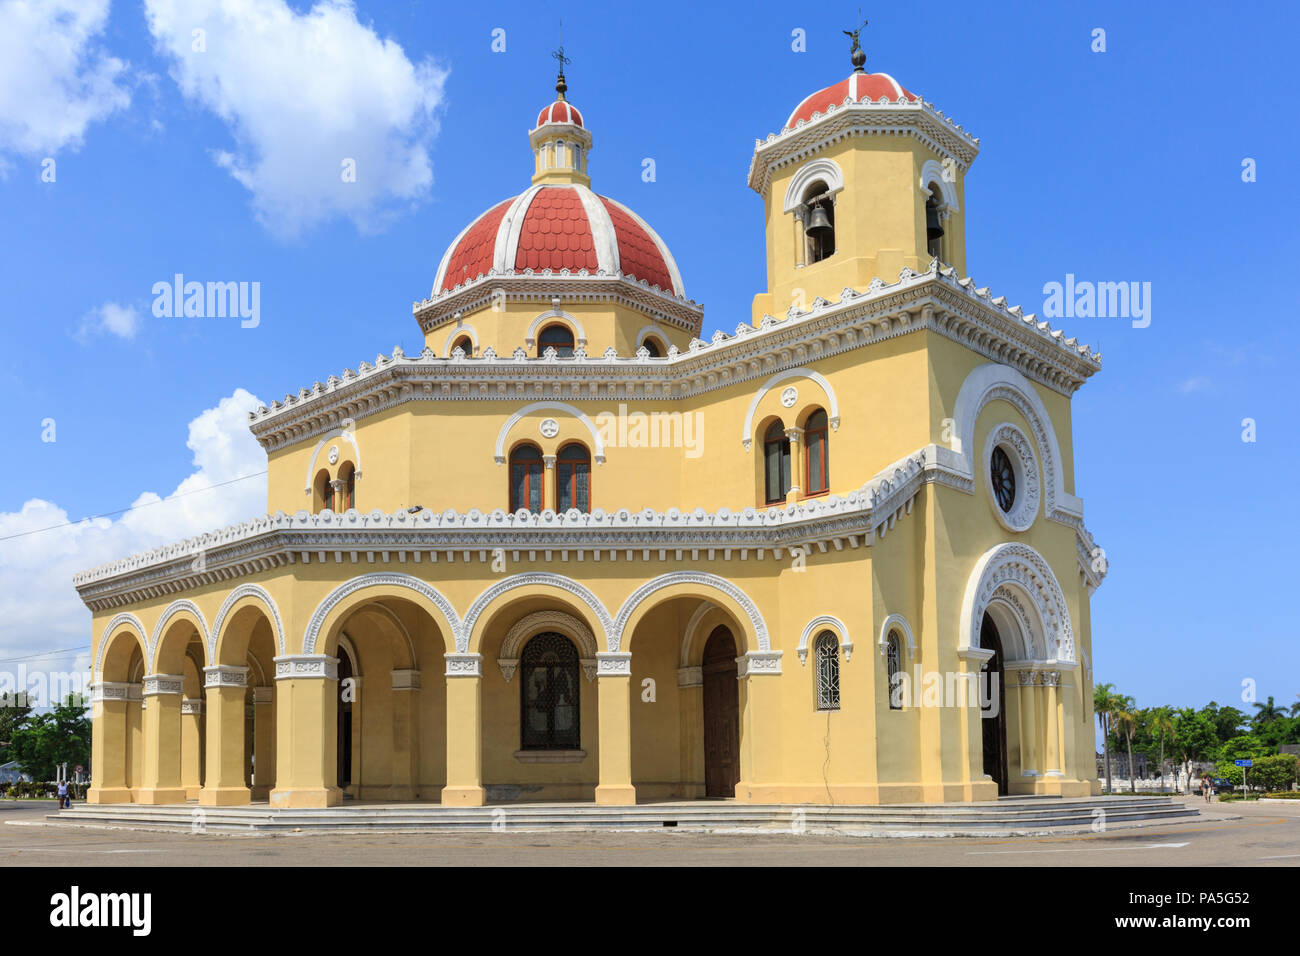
[(932, 172), (599, 446), (825, 622), (243, 591), (579, 333), (897, 621), (993, 382), (171, 611), (344, 433), (129, 619), (539, 622), (824, 169), (349, 588), (455, 333), (466, 628), (1012, 575), (688, 577), (1028, 480), (833, 411)]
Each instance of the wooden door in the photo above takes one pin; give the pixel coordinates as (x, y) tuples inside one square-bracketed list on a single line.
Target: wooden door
[(721, 716)]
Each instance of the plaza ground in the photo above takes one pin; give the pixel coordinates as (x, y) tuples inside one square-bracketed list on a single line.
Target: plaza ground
[(1234, 834)]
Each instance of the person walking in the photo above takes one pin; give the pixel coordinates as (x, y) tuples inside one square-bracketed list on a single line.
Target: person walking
[(1207, 787), (64, 803)]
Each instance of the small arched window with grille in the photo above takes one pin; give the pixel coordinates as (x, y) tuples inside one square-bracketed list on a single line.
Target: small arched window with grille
[(894, 670), (558, 337), (549, 718), (526, 479), (826, 652), (464, 343), (776, 463)]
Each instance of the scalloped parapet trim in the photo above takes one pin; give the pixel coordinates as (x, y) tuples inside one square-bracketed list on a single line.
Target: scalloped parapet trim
[(884, 101), (437, 297), (907, 278)]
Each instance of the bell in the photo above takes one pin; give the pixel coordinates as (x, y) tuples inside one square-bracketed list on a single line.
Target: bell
[(819, 225), (933, 230)]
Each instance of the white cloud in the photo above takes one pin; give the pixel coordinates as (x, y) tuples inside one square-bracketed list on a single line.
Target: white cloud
[(54, 79), (1196, 383), (301, 94), (111, 318), (39, 608)]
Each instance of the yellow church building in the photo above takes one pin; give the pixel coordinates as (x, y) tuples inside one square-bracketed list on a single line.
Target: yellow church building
[(572, 551)]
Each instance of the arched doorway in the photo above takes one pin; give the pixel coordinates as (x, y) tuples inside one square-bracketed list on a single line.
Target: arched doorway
[(346, 691), (721, 716), (993, 709)]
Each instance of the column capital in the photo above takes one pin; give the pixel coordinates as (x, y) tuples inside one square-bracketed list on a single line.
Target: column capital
[(292, 666), (115, 690), (758, 663), (156, 684), (225, 675), (613, 664), (794, 434), (464, 665)]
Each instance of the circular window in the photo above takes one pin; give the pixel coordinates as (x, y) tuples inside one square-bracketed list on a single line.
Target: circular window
[(1012, 478)]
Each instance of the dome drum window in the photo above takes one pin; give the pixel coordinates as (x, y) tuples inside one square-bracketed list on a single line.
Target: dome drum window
[(1012, 478)]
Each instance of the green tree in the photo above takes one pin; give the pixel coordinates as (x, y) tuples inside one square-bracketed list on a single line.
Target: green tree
[(1275, 772), (11, 715), (43, 741), (1104, 700), (1125, 716), (1295, 708), (1160, 722), (1242, 746), (1265, 713), (1227, 721)]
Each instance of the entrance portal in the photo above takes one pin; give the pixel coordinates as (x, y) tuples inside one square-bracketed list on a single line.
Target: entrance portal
[(721, 716), (994, 725)]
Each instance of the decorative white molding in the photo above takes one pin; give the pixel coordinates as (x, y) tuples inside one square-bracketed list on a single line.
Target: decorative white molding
[(1020, 582), (530, 579), (614, 664), (824, 169), (824, 622), (192, 706), (539, 622), (1024, 464), (155, 684), (225, 675), (932, 173), (294, 666), (712, 581), (464, 665), (345, 433), (125, 618), (832, 411), (897, 621), (115, 690), (653, 330), (758, 663), (559, 317), (461, 328), (257, 593), (499, 452), (379, 579)]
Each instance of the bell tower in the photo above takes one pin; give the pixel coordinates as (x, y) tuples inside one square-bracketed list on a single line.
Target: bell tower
[(560, 141), (864, 179)]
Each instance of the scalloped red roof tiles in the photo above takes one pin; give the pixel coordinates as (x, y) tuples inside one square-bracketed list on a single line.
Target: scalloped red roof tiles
[(473, 254), (637, 253), (555, 233)]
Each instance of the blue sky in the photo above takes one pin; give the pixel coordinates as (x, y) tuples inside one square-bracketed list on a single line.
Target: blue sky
[(1122, 165)]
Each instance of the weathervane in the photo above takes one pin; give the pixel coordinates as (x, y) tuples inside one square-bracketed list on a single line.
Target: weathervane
[(855, 53)]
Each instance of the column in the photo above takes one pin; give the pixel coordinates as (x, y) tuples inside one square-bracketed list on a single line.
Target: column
[(1052, 728), (972, 660), (690, 697), (795, 435), (263, 741), (224, 783), (306, 731), (614, 696), (464, 731), (406, 735), (109, 751), (192, 746), (760, 727), (1028, 724), (161, 724)]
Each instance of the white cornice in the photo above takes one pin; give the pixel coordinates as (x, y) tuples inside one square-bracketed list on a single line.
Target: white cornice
[(936, 300)]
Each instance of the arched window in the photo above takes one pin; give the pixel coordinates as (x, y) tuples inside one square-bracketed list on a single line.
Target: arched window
[(558, 337), (577, 157), (652, 346), (818, 222), (893, 669), (933, 225), (827, 652), (549, 701), (323, 491), (464, 343), (526, 479), (573, 479), (348, 475), (816, 479), (776, 463)]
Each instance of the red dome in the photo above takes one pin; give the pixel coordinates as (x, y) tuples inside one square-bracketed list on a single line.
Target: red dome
[(559, 227), (561, 111), (856, 88)]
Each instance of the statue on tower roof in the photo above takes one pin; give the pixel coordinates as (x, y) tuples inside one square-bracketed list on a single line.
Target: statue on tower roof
[(856, 54)]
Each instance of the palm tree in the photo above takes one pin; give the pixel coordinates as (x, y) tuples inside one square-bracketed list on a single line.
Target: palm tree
[(1126, 719), (1267, 712), (1295, 708), (1104, 700), (1161, 721)]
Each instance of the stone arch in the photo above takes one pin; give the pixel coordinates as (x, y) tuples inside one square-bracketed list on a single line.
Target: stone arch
[(564, 623), (457, 332), (1017, 585), (598, 446), (658, 333), (533, 579), (345, 434), (824, 169), (184, 609), (995, 382), (899, 623), (252, 593), (932, 174), (825, 622), (832, 403), (717, 589), (124, 619), (558, 316), (444, 614)]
